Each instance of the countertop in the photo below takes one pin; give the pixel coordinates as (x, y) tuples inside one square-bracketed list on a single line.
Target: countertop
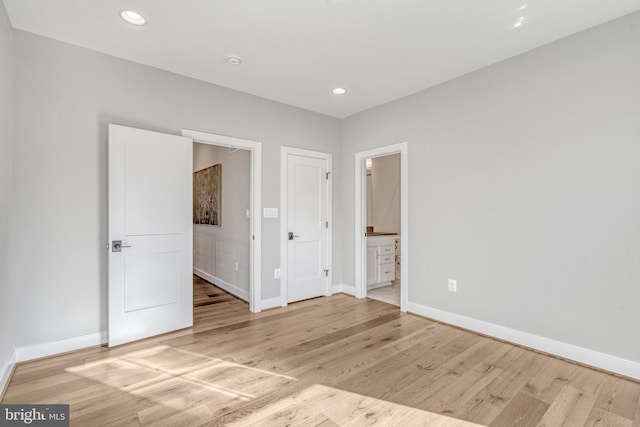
[(380, 233)]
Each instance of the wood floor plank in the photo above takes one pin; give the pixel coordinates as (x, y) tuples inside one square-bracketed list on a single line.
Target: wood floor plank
[(422, 418), (318, 420), (380, 414), (522, 411), (636, 418), (348, 358), (332, 337), (434, 345), (551, 379), (571, 407), (350, 408), (329, 361), (191, 416), (299, 408), (386, 378), (518, 366), (456, 357), (601, 418), (618, 396), (465, 389)]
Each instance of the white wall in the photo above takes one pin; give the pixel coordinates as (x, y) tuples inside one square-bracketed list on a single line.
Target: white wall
[(64, 98), (218, 249), (6, 140), (523, 186), (385, 193)]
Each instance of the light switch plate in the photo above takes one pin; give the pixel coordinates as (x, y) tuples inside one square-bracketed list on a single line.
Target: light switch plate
[(270, 212)]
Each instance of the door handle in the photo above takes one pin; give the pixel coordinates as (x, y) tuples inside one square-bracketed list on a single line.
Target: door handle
[(291, 235), (116, 246)]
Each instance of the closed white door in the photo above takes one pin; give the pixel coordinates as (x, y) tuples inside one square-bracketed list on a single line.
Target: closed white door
[(307, 218), (150, 251)]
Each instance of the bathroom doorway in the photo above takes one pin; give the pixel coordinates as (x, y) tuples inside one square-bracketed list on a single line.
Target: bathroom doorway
[(382, 233), (382, 224)]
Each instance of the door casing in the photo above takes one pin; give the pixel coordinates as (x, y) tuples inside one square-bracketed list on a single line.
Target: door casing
[(361, 221), (255, 208)]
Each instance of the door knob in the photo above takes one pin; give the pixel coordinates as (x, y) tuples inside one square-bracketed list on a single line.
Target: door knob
[(291, 235)]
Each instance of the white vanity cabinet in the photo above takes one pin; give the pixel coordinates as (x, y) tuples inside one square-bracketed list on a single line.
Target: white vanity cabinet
[(381, 253)]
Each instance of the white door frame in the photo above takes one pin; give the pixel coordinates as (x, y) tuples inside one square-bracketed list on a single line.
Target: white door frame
[(361, 213), (255, 208), (284, 152)]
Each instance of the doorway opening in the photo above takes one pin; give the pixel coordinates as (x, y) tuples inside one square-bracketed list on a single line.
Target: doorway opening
[(221, 229), (383, 236), (231, 249), (382, 228)]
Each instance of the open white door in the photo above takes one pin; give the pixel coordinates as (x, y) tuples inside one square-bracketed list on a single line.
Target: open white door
[(307, 227), (150, 252)]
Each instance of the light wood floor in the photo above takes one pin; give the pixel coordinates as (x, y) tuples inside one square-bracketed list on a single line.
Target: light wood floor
[(323, 362)]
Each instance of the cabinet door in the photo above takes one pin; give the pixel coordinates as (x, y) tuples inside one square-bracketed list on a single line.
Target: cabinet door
[(386, 272), (372, 270)]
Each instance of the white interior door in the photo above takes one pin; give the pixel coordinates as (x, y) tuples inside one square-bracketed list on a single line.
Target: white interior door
[(150, 203), (307, 219)]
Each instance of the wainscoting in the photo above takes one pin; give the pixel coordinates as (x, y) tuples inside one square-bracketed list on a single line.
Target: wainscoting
[(221, 259)]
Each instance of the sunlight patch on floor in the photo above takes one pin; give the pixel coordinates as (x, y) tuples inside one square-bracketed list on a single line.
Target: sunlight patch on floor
[(191, 387), (323, 405), (148, 372)]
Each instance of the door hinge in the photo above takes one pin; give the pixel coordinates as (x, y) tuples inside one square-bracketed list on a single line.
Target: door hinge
[(327, 224), (326, 273), (327, 175), (253, 237)]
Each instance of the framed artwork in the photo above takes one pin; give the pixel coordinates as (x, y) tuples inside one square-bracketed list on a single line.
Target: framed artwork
[(207, 196)]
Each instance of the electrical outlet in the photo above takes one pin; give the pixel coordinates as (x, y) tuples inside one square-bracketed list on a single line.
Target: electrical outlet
[(453, 285), (276, 273), (236, 265)]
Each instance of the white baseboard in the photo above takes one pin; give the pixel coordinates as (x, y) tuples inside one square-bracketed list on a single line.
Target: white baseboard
[(336, 289), (5, 372), (568, 351), (29, 352), (349, 290), (232, 289), (271, 303)]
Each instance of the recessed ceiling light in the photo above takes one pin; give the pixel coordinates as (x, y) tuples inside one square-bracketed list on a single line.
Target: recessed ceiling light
[(133, 17), (339, 91), (234, 60), (519, 22), (523, 7)]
